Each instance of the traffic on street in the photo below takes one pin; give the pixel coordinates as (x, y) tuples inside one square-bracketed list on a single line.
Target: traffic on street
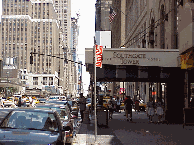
[(97, 72), (49, 120)]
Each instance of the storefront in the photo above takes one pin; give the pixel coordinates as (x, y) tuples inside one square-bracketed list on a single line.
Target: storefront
[(187, 63), (186, 51)]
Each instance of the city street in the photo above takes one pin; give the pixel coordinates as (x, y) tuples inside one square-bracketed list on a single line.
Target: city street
[(139, 131)]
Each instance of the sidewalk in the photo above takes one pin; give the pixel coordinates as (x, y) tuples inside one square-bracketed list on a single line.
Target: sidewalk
[(137, 132)]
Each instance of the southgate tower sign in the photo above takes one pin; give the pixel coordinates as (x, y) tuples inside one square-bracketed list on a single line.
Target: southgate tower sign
[(136, 56)]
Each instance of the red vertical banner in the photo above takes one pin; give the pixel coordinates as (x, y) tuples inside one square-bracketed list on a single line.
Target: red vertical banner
[(98, 53)]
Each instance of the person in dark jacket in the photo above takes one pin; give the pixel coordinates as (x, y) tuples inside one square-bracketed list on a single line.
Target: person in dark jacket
[(20, 102), (118, 104), (82, 103), (110, 107), (128, 108)]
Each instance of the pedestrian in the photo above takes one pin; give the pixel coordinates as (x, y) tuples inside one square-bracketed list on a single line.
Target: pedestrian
[(24, 100), (82, 103), (100, 101), (30, 100), (110, 107), (159, 110), (150, 109), (124, 105), (20, 102), (137, 106), (33, 102), (118, 104), (69, 106), (128, 108)]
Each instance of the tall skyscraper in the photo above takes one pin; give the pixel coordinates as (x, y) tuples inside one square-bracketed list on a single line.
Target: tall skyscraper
[(74, 49), (63, 11), (34, 27)]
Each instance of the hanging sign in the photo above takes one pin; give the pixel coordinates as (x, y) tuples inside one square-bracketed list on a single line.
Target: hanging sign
[(187, 60), (98, 53)]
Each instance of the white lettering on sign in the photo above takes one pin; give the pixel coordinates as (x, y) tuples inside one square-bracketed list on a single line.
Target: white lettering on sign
[(133, 55), (98, 52), (127, 61), (133, 58)]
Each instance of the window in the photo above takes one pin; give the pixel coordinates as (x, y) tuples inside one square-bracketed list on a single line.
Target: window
[(44, 80), (50, 80), (35, 80)]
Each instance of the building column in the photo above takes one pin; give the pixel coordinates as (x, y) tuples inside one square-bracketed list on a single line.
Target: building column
[(186, 90), (147, 92)]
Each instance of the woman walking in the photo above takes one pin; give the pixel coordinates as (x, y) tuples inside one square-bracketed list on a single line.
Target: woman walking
[(159, 110), (150, 109), (110, 108), (128, 108)]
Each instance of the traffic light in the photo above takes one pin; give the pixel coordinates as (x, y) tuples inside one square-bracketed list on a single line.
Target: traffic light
[(31, 59)]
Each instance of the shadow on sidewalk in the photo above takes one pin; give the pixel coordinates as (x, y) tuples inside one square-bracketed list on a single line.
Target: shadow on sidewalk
[(139, 131)]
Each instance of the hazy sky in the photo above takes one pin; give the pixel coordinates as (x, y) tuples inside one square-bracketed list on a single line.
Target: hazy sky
[(86, 9)]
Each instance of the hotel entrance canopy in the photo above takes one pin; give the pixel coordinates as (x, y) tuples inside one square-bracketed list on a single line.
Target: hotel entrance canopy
[(135, 64), (136, 56)]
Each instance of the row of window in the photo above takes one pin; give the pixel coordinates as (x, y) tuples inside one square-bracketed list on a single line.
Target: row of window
[(45, 81), (134, 12)]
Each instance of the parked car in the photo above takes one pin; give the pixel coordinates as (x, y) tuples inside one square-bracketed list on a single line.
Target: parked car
[(32, 126), (65, 117), (74, 107), (142, 106), (122, 106), (9, 102), (42, 100), (56, 102), (88, 100)]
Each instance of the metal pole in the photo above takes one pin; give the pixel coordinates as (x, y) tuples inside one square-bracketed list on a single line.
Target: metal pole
[(123, 91), (95, 92), (81, 79)]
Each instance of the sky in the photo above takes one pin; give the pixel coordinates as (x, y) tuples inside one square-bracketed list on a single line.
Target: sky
[(86, 22), (0, 9)]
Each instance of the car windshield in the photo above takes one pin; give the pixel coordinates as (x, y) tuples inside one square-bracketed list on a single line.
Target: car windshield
[(42, 99), (54, 98), (30, 120), (57, 102), (61, 111)]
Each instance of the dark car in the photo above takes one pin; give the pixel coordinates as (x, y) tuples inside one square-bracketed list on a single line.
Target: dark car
[(56, 102), (42, 100), (65, 117), (29, 126)]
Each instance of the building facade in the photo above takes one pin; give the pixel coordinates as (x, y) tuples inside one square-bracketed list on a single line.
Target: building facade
[(74, 49), (186, 48), (41, 29), (102, 22), (63, 11)]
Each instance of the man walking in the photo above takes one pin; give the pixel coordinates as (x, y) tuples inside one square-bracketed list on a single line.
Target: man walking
[(128, 108), (82, 103), (118, 104)]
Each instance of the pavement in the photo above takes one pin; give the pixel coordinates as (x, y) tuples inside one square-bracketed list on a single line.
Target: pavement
[(139, 131)]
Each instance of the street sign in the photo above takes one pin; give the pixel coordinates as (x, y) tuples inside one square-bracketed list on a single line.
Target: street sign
[(98, 53), (136, 56)]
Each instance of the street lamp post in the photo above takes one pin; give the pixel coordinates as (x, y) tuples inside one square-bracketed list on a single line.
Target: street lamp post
[(7, 86)]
